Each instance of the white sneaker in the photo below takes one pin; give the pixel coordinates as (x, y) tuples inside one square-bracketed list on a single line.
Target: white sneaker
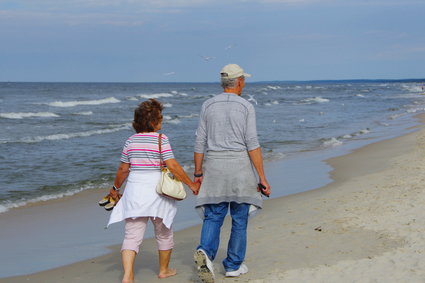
[(242, 270), (205, 266)]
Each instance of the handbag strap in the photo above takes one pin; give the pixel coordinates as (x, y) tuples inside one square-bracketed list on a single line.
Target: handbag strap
[(160, 152)]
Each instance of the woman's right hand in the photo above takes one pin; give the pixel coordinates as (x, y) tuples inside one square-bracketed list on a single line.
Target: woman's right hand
[(114, 194)]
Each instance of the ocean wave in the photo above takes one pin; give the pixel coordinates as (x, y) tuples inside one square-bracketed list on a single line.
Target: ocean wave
[(73, 135), (332, 142), (273, 87), (316, 99), (415, 110), (168, 105), (191, 115), (171, 120), (21, 115), (7, 205), (83, 102), (273, 155), (155, 95), (412, 88), (84, 113)]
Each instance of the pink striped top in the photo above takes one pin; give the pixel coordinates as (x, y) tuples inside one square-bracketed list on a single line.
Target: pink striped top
[(142, 151)]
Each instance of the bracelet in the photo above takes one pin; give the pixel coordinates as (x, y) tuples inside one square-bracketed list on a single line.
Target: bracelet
[(198, 175), (115, 188)]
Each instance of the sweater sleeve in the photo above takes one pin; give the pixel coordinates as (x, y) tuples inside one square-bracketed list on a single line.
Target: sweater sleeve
[(201, 133), (251, 138)]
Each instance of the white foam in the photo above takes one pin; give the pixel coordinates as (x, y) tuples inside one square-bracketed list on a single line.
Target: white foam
[(155, 95), (191, 115), (83, 102), (168, 105), (412, 88), (317, 99), (360, 95), (84, 113), (252, 98), (331, 142), (267, 104), (174, 92), (74, 135), (414, 110), (21, 115), (364, 131), (173, 121), (273, 87), (6, 206)]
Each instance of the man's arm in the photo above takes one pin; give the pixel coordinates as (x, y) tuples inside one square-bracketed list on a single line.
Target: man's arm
[(198, 158), (257, 160)]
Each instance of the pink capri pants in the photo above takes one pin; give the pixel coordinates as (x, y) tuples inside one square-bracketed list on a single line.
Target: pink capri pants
[(135, 230)]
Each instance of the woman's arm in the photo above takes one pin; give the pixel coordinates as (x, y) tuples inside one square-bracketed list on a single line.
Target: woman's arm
[(121, 175), (179, 173)]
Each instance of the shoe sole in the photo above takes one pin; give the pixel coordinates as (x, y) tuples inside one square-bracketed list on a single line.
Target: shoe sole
[(204, 273), (103, 203)]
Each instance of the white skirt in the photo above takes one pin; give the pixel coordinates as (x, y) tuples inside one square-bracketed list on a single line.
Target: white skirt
[(140, 199)]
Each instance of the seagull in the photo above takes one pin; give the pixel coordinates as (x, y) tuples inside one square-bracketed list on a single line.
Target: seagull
[(229, 46), (207, 58)]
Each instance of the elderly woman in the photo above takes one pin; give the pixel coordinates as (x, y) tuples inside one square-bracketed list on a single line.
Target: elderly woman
[(140, 165)]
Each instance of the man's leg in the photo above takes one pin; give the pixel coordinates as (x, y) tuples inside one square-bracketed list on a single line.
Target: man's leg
[(236, 248), (210, 235)]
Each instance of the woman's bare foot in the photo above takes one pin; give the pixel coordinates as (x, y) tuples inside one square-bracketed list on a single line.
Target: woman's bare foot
[(168, 273)]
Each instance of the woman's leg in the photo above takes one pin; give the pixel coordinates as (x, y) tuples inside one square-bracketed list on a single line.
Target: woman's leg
[(128, 257), (164, 260), (134, 232), (164, 239)]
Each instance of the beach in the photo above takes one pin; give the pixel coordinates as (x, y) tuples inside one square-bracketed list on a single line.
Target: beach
[(365, 226)]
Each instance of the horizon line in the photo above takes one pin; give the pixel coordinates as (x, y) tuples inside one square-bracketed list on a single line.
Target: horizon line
[(210, 82)]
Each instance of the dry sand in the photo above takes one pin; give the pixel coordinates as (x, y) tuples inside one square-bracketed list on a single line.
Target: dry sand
[(366, 226)]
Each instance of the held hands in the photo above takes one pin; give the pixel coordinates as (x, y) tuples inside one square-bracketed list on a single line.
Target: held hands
[(195, 188)]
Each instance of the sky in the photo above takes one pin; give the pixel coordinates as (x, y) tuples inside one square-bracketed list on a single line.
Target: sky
[(191, 40)]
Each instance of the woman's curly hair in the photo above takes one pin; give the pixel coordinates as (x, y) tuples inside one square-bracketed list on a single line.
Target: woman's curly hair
[(147, 115)]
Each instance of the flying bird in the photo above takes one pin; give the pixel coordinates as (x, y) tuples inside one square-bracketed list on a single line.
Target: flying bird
[(207, 58)]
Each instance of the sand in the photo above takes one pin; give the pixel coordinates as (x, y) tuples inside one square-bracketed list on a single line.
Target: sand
[(366, 226)]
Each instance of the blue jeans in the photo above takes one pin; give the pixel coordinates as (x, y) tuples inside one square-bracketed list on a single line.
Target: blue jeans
[(210, 234)]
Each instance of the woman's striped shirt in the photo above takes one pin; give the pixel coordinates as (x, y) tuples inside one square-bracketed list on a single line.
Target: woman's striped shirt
[(142, 151)]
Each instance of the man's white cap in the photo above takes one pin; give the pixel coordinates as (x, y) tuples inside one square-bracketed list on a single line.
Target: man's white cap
[(233, 71)]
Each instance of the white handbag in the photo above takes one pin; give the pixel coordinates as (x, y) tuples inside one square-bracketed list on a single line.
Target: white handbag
[(169, 185)]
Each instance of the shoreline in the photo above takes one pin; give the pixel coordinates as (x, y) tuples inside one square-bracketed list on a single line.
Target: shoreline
[(363, 226)]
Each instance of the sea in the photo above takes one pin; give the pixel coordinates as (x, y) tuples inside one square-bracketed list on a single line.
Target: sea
[(59, 139)]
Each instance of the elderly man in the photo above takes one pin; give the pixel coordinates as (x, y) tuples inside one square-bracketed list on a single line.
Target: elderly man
[(226, 139)]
